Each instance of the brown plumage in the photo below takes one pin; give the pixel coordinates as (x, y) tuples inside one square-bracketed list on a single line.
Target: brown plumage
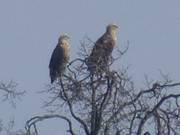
[(99, 58), (59, 58)]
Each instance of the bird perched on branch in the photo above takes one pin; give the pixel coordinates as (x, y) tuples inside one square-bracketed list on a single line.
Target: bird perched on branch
[(99, 58), (59, 58)]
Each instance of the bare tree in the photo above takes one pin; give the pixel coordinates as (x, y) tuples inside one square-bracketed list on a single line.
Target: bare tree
[(110, 104), (10, 93)]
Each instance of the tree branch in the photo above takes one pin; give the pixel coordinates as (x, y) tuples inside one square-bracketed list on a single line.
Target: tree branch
[(36, 119), (71, 110), (150, 113)]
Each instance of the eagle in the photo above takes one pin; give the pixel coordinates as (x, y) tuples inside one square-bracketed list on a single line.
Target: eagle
[(99, 58), (59, 58)]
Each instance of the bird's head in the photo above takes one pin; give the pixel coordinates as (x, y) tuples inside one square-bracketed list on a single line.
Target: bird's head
[(112, 29), (64, 39)]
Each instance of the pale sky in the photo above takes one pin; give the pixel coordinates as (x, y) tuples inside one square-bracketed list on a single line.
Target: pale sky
[(29, 30)]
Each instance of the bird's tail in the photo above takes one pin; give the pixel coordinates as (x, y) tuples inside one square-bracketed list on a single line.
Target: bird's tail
[(52, 76)]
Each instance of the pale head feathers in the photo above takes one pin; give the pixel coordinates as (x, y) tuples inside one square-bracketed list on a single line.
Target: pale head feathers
[(64, 39), (112, 29), (112, 26)]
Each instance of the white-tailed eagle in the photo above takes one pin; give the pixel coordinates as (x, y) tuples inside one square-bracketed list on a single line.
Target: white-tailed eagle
[(59, 58), (98, 60)]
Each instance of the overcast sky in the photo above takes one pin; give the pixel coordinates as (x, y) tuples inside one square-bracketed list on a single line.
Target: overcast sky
[(29, 30)]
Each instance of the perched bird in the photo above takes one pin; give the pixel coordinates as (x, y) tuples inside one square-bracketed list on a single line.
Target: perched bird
[(59, 58), (98, 60)]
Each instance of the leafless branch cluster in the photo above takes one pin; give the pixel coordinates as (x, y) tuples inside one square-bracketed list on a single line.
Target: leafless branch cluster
[(9, 129), (109, 104), (9, 92)]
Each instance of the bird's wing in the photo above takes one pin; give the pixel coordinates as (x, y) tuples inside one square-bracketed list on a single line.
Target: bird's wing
[(104, 44), (56, 58)]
